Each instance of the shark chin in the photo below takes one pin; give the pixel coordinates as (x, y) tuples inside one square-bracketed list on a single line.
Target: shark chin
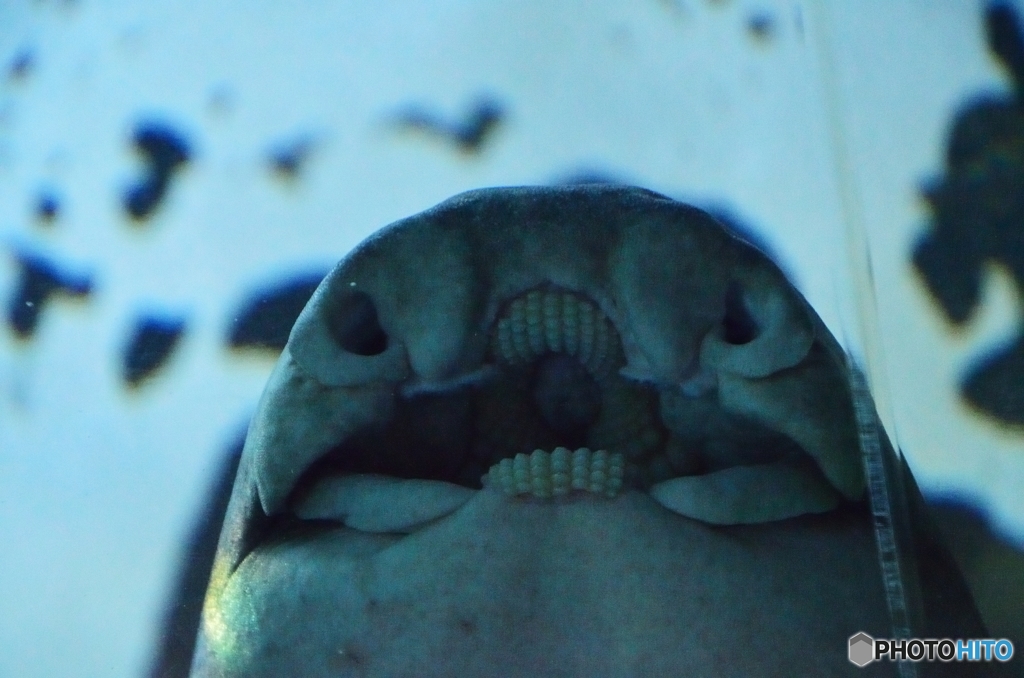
[(578, 431), (582, 586)]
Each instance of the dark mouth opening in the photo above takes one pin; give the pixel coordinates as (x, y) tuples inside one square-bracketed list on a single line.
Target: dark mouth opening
[(555, 383)]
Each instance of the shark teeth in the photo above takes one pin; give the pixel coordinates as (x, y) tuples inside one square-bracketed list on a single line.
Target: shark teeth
[(556, 321), (552, 320), (555, 474)]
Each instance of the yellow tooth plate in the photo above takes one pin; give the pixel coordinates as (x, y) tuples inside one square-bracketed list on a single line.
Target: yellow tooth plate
[(556, 474), (556, 321)]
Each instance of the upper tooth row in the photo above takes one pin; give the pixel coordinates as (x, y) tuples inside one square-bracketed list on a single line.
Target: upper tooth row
[(555, 474), (545, 321)]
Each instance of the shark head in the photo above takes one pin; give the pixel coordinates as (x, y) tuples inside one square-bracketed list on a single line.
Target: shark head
[(548, 431)]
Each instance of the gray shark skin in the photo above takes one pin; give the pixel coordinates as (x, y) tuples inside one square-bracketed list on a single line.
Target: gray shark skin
[(373, 531)]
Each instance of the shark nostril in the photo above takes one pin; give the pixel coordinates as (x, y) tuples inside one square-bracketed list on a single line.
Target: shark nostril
[(352, 321), (738, 325)]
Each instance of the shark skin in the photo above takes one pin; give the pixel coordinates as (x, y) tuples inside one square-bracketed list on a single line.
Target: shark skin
[(365, 535)]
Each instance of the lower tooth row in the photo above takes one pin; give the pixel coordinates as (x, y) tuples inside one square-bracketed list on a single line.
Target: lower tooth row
[(557, 322), (557, 473)]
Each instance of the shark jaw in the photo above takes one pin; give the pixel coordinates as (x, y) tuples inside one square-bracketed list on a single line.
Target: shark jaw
[(497, 447), (584, 586)]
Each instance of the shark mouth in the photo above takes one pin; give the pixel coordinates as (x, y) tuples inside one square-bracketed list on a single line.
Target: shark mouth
[(547, 415), (539, 348)]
